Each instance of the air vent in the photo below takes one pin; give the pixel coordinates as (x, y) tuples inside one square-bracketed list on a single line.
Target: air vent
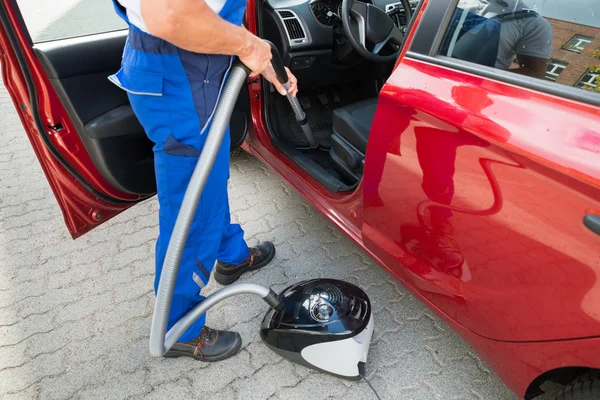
[(286, 14), (294, 29)]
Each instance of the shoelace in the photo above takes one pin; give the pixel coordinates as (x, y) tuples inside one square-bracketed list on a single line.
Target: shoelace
[(202, 341), (254, 251)]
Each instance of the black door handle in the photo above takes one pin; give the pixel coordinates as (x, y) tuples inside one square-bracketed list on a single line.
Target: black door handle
[(592, 222)]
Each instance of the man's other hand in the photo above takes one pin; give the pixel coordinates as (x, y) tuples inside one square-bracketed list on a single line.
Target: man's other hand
[(270, 75)]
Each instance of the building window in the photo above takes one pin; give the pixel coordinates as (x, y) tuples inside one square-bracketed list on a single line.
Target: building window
[(554, 69), (578, 43), (589, 80)]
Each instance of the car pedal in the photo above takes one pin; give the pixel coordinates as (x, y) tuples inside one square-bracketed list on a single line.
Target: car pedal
[(323, 98), (336, 97), (304, 101)]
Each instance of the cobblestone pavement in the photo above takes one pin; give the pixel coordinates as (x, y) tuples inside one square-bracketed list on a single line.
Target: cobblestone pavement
[(75, 315)]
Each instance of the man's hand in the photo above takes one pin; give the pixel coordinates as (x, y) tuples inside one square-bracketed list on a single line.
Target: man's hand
[(270, 75), (257, 56)]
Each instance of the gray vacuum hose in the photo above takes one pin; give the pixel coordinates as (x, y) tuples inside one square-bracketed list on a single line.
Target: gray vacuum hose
[(160, 340), (188, 319)]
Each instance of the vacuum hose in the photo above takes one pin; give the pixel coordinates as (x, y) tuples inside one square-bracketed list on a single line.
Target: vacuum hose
[(161, 340), (300, 115)]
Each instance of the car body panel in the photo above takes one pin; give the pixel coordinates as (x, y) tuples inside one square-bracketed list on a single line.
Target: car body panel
[(514, 261), (519, 364)]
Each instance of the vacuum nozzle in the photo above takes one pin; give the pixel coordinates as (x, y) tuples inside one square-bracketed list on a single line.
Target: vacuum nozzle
[(273, 300), (282, 76)]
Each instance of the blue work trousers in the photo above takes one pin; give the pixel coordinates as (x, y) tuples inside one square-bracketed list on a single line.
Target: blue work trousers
[(173, 93)]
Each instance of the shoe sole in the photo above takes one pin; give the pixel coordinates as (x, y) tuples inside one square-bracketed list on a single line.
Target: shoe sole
[(229, 279), (234, 351)]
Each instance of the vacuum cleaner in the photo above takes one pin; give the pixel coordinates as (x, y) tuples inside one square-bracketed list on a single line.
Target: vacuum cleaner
[(323, 324)]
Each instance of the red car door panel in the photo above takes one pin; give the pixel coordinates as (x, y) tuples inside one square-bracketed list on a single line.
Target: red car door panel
[(92, 149), (475, 193), (85, 197)]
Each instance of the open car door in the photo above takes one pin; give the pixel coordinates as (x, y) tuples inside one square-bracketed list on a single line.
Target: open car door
[(92, 149)]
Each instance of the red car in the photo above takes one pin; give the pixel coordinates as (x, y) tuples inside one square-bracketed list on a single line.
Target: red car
[(466, 162)]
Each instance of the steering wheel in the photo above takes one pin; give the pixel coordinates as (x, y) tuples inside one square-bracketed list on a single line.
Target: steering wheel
[(376, 29)]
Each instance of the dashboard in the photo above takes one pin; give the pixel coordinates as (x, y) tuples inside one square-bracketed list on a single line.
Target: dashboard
[(327, 12), (313, 44), (310, 22)]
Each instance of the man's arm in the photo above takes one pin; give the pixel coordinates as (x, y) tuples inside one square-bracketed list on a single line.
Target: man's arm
[(192, 25), (531, 66), (534, 48)]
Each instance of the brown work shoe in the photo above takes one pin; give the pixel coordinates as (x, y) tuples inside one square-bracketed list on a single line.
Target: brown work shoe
[(211, 345), (259, 256)]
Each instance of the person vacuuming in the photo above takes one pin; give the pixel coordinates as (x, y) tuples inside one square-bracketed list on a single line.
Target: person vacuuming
[(175, 63)]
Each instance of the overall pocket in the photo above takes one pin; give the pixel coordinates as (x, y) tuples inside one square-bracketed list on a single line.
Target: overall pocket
[(139, 82), (145, 92)]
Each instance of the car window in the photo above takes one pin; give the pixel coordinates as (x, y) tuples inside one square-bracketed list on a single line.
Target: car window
[(61, 19), (556, 40)]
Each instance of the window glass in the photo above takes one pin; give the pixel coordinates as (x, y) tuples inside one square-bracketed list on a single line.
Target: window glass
[(60, 19), (578, 43), (589, 80), (556, 40), (555, 68)]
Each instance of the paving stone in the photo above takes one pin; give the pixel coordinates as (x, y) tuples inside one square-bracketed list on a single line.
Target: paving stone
[(119, 386)]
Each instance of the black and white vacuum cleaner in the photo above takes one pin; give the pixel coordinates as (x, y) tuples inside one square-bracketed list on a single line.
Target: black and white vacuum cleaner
[(323, 324)]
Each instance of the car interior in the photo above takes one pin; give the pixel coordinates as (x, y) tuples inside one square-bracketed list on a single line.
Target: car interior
[(340, 69), (338, 86)]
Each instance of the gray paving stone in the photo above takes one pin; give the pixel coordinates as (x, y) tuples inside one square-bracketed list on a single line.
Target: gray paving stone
[(120, 386), (261, 385), (305, 388), (180, 389), (74, 380), (17, 379)]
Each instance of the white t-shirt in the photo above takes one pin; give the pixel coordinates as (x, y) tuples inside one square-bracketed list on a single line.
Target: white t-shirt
[(135, 15), (530, 36)]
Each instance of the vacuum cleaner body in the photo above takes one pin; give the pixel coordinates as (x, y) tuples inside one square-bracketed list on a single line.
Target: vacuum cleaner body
[(323, 324)]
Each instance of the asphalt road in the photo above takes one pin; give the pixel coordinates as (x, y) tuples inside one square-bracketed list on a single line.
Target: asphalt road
[(75, 315)]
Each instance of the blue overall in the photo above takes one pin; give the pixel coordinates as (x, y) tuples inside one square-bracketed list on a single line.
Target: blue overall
[(173, 93)]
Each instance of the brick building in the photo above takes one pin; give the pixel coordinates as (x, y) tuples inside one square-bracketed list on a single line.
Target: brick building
[(572, 48)]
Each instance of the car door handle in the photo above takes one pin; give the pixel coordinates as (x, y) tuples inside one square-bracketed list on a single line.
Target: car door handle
[(592, 222)]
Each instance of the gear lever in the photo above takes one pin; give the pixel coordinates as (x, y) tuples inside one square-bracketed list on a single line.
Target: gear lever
[(300, 115)]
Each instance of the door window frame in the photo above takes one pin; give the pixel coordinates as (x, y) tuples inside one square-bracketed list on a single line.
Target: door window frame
[(428, 39)]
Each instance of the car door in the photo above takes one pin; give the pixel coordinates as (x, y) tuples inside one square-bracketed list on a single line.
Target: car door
[(482, 182), (94, 153)]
